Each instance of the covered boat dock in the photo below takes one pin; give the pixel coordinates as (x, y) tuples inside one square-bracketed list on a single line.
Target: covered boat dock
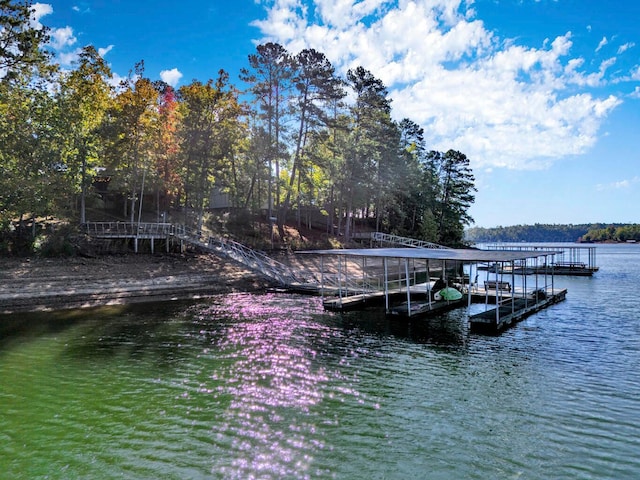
[(570, 259), (407, 282)]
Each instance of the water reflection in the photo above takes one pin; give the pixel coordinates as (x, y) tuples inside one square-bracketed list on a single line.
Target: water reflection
[(447, 330), (267, 368)]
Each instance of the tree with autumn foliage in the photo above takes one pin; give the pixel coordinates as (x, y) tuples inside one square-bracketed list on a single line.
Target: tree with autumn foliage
[(129, 133), (166, 153)]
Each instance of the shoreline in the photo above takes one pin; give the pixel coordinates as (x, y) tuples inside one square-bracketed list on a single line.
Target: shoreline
[(36, 284)]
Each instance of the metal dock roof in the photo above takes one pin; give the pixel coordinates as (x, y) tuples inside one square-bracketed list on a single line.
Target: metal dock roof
[(461, 255)]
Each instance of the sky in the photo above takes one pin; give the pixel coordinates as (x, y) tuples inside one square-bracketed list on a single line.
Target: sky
[(543, 96)]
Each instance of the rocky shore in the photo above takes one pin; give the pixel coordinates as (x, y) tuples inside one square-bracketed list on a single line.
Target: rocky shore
[(41, 284)]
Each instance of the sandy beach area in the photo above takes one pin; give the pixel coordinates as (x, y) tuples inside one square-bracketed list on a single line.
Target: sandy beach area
[(41, 284)]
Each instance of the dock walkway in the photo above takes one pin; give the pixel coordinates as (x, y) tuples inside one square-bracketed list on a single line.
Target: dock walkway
[(513, 310)]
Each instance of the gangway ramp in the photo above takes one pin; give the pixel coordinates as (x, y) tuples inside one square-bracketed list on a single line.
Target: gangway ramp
[(387, 239)]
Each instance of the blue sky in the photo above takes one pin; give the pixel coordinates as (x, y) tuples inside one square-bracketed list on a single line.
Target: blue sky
[(543, 96)]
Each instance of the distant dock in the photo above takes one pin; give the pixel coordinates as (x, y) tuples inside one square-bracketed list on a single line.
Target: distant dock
[(569, 259)]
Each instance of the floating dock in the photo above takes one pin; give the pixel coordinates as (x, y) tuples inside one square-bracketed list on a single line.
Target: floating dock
[(569, 259), (401, 280)]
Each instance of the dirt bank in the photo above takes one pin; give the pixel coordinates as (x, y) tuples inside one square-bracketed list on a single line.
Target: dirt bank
[(40, 284)]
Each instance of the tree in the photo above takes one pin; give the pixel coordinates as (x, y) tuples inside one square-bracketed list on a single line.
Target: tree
[(28, 183), (317, 88), (370, 134), (27, 170), (20, 42), (211, 129), (166, 150), (414, 196), (129, 130), (456, 187), (82, 102), (269, 77)]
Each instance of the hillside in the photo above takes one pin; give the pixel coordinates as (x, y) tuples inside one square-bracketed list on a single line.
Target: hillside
[(534, 233)]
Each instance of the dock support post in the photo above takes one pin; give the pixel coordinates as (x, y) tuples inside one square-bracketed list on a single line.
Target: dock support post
[(498, 293), (364, 275), (322, 277), (513, 286), (340, 279), (428, 284), (468, 287), (346, 278), (536, 288), (386, 283), (408, 282)]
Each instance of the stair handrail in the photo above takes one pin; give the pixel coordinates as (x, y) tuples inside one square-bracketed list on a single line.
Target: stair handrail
[(405, 241)]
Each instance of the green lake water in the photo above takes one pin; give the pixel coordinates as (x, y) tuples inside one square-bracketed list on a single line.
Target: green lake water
[(270, 386)]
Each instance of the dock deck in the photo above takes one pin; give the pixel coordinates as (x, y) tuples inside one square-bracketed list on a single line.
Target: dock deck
[(513, 309)]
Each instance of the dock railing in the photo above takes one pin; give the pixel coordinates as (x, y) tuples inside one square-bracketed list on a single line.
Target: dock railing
[(261, 262), (386, 238), (127, 229)]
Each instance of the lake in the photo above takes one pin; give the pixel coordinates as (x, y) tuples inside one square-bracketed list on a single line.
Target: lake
[(270, 386)]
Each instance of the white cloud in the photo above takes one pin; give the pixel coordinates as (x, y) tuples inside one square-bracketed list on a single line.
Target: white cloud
[(62, 37), (619, 185), (602, 43), (500, 103), (103, 51), (171, 77), (625, 47), (66, 59), (40, 10), (636, 93)]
